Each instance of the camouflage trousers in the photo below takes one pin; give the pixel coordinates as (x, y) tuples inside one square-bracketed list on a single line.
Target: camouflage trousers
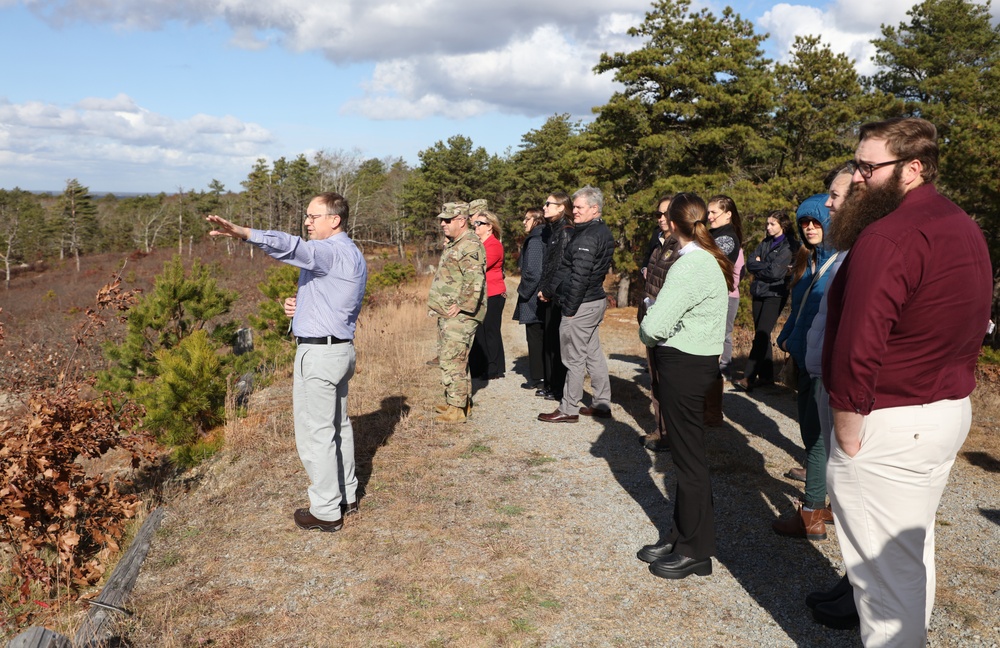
[(455, 336)]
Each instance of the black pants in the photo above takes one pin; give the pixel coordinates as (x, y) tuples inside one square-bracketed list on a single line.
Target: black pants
[(534, 334), (555, 371), (486, 359), (683, 381), (760, 364)]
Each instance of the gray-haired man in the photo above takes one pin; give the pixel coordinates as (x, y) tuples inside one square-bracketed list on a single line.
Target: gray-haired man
[(585, 263)]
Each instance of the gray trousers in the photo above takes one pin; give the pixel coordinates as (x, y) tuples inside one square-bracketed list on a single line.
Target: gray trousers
[(580, 347), (323, 433)]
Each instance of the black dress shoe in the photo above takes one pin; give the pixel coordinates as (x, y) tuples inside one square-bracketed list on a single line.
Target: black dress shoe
[(676, 566), (657, 446), (596, 412), (841, 614), (305, 520), (815, 598), (541, 391), (553, 397), (558, 417), (533, 384), (653, 552)]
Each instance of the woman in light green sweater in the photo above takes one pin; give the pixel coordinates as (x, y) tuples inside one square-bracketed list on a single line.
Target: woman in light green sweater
[(686, 326)]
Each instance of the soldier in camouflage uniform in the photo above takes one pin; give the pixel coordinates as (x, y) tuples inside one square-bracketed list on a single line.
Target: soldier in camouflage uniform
[(458, 299)]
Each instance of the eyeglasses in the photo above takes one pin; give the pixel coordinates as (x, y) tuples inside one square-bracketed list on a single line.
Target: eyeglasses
[(658, 214), (550, 202), (866, 170), (811, 223), (479, 223), (311, 218), (448, 220)]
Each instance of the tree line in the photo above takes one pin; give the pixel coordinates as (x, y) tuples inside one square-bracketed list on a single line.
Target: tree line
[(700, 109)]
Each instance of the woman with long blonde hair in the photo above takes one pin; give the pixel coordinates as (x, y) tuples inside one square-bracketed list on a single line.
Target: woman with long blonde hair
[(486, 360)]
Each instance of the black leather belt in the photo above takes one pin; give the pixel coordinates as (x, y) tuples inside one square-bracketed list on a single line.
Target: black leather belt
[(323, 340)]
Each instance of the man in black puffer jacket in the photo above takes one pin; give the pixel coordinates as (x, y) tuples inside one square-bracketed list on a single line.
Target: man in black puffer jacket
[(580, 281)]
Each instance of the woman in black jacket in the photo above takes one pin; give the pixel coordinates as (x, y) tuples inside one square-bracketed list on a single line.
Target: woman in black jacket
[(526, 311), (769, 264)]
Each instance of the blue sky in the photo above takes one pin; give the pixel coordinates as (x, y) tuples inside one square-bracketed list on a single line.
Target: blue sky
[(156, 95)]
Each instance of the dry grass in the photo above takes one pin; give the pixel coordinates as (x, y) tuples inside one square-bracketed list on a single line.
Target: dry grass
[(439, 555), (444, 563)]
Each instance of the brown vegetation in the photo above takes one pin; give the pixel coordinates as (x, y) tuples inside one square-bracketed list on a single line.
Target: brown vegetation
[(437, 556)]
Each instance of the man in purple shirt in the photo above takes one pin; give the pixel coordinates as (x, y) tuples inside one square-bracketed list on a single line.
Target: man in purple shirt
[(324, 312), (908, 311)]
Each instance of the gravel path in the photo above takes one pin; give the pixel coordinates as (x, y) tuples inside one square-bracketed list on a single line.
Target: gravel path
[(506, 531), (610, 497)]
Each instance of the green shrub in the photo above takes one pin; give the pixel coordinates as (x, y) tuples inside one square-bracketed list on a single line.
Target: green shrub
[(270, 325), (188, 396), (393, 274), (169, 359)]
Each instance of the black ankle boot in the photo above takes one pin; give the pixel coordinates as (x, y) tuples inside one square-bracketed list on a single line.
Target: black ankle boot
[(841, 588)]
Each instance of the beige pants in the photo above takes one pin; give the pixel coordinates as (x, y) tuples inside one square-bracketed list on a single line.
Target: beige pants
[(884, 501)]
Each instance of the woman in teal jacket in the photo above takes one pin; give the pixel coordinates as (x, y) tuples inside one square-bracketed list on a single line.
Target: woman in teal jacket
[(809, 280), (686, 326)]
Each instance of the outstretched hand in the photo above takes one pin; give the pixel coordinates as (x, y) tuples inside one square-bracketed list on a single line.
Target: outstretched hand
[(225, 228)]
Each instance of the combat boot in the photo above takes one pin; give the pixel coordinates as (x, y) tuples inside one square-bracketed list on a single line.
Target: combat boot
[(468, 407), (453, 415), (442, 408)]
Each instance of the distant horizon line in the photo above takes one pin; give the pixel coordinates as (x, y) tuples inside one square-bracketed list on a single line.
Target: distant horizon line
[(102, 194)]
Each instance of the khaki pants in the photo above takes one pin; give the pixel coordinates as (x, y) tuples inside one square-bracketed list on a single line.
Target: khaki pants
[(580, 346), (323, 433), (884, 501)]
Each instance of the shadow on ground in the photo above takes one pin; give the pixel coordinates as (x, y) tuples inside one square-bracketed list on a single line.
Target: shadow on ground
[(776, 571), (373, 430)]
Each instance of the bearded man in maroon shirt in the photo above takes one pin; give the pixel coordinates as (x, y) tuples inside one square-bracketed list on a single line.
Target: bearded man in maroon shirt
[(908, 312)]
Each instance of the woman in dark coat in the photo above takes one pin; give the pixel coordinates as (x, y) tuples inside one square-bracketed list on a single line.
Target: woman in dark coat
[(769, 264), (526, 311)]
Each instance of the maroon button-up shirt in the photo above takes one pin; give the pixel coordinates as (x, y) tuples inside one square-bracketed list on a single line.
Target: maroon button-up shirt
[(909, 308)]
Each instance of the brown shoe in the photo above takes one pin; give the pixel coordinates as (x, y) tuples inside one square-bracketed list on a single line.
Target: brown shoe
[(827, 514), (433, 362), (558, 417), (798, 474), (596, 412), (305, 520), (452, 415), (743, 385), (801, 524)]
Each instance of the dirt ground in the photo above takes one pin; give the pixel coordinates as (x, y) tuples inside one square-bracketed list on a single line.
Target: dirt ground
[(505, 531)]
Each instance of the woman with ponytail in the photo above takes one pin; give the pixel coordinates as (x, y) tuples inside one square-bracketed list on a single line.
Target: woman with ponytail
[(686, 326)]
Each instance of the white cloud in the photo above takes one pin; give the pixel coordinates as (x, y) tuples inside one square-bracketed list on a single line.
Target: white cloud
[(433, 57), (540, 73), (848, 26), (107, 134)]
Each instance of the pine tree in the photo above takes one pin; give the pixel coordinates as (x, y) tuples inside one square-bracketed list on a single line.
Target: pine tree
[(79, 219)]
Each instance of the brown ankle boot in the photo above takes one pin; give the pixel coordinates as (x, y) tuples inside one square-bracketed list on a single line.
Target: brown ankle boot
[(713, 404), (453, 415), (802, 524)]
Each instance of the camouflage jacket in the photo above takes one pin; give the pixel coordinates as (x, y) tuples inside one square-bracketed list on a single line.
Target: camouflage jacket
[(461, 279)]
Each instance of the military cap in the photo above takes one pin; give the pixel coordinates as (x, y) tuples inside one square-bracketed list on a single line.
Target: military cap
[(478, 206), (454, 210)]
